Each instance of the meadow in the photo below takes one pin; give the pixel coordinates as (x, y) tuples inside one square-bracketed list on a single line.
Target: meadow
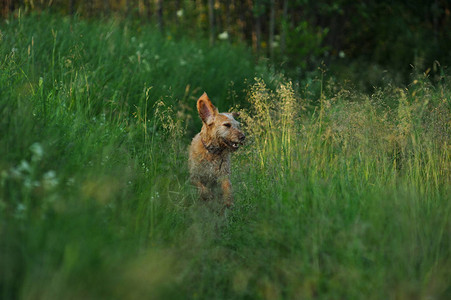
[(339, 194)]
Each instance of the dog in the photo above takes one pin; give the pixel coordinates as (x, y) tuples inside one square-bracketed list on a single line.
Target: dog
[(209, 152)]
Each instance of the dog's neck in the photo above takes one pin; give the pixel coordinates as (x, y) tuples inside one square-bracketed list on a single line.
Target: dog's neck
[(212, 149)]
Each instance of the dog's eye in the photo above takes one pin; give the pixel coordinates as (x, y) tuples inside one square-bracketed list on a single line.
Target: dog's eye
[(227, 125)]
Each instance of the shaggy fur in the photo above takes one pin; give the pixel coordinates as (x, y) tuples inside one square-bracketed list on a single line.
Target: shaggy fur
[(209, 153)]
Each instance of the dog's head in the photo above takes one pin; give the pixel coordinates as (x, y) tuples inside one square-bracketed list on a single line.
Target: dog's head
[(220, 130)]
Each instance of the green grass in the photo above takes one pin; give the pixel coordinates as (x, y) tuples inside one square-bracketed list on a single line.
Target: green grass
[(346, 199)]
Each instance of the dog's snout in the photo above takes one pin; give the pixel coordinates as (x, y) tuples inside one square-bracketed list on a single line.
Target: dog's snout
[(242, 137)]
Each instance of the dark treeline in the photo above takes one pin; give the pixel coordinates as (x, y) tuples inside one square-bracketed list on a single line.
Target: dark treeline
[(296, 34)]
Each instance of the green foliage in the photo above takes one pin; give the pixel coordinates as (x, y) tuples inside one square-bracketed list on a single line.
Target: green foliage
[(339, 195), (116, 62), (304, 45), (295, 34)]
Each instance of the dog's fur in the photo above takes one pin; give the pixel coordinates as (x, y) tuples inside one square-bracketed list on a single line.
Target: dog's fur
[(209, 153)]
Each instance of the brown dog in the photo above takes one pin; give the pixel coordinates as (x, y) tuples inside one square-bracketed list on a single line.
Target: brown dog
[(209, 153)]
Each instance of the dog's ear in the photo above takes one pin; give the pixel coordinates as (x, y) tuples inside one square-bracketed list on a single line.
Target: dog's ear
[(207, 111), (235, 114)]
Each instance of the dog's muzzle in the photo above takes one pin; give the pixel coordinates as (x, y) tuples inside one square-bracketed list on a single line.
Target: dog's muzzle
[(236, 144)]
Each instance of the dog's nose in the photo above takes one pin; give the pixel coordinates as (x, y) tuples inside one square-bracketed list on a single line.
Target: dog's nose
[(242, 137)]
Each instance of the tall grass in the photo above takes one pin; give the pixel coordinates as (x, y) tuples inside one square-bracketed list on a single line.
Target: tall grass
[(345, 199), (356, 195)]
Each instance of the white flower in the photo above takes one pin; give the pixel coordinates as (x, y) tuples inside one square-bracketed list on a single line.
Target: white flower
[(24, 166), (223, 36), (180, 13), (15, 173), (49, 180), (28, 183), (37, 151), (341, 54), (21, 207)]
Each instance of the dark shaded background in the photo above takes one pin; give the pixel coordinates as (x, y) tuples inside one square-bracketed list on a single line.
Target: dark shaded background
[(351, 37)]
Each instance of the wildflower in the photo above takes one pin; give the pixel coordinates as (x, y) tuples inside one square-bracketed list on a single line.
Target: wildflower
[(24, 167), (223, 36), (37, 151), (341, 54), (67, 63), (29, 183), (70, 181), (15, 173), (21, 207), (180, 13), (49, 180)]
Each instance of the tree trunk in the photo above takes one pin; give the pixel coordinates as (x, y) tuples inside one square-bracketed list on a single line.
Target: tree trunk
[(127, 8), (177, 8), (106, 7), (242, 16), (435, 19), (5, 7), (71, 7), (283, 37), (149, 9), (211, 19), (227, 18), (257, 35), (160, 15), (272, 17), (90, 8)]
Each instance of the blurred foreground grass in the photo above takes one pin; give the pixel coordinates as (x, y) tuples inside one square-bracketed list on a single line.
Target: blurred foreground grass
[(345, 199)]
